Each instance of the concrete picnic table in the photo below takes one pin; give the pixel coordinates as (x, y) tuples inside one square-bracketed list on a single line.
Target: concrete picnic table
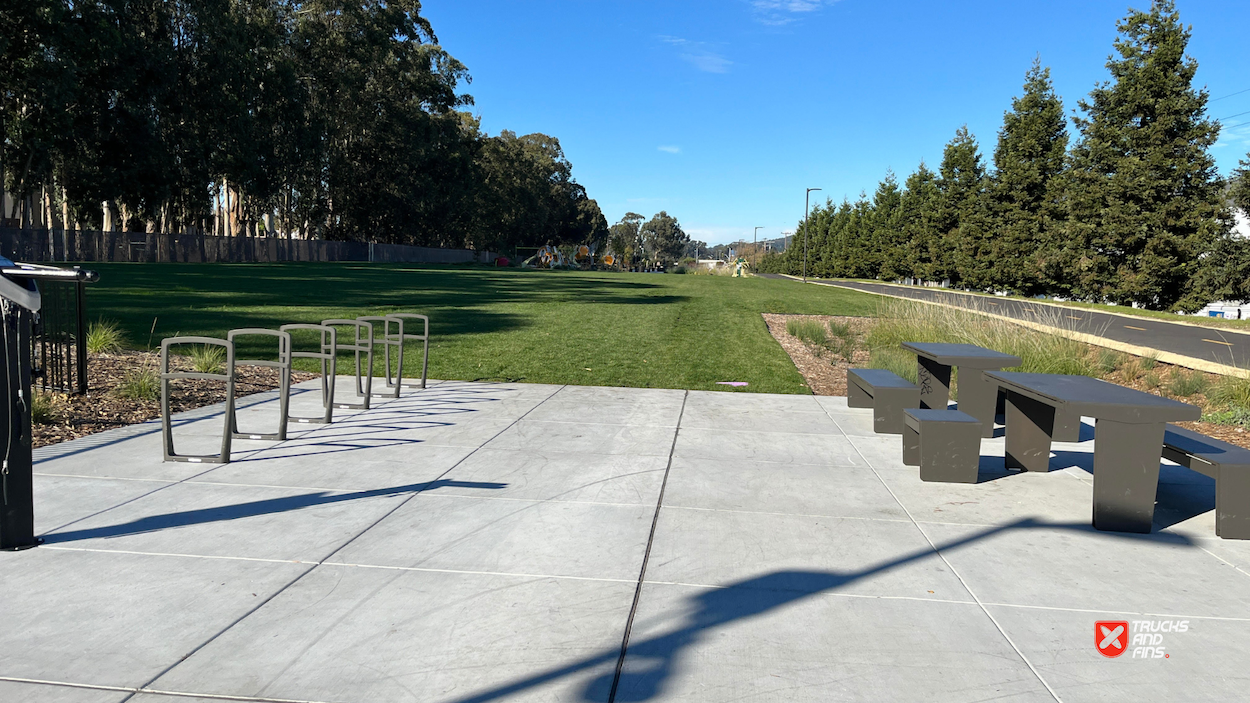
[(977, 397), (1128, 437)]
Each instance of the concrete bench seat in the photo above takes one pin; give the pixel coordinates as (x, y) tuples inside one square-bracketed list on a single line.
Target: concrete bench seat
[(1228, 464), (886, 393), (945, 444)]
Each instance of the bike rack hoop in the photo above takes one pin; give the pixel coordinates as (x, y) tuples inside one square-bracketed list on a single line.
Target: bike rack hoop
[(388, 340), (283, 364), (424, 338), (359, 346), (228, 378), (327, 358)]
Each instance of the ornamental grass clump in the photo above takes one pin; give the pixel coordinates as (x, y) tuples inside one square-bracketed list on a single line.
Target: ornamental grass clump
[(207, 358), (140, 384), (1040, 352), (104, 337), (812, 332)]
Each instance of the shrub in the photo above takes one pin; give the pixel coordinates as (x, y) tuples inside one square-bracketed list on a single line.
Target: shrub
[(1109, 361), (1232, 416), (207, 358), (45, 408), (1183, 384), (1131, 370), (810, 331), (140, 384), (1231, 392), (679, 268), (104, 337)]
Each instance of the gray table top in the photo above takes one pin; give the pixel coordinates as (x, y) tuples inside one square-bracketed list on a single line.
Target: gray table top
[(1092, 397), (969, 355)]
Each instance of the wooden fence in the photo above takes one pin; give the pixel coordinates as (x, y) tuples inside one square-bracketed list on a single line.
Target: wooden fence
[(42, 245)]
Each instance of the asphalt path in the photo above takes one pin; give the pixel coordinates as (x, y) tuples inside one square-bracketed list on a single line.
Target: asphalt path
[(1208, 344)]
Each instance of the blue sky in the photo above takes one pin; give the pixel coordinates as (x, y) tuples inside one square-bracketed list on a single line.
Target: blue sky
[(722, 112)]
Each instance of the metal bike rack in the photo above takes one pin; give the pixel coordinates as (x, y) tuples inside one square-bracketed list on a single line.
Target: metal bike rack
[(283, 365), (424, 338), (387, 340), (357, 347), (327, 358), (228, 378)]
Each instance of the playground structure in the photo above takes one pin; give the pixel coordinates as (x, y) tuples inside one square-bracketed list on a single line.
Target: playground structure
[(582, 257)]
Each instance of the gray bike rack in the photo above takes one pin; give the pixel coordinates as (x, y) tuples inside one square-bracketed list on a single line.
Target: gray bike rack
[(357, 347), (424, 338), (228, 378), (327, 357), (283, 365), (388, 340)]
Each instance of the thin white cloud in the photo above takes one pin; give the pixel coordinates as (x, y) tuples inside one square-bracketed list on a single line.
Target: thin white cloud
[(781, 12), (699, 55), (670, 149), (1237, 136)]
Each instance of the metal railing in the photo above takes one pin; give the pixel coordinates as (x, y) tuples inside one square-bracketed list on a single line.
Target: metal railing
[(58, 344)]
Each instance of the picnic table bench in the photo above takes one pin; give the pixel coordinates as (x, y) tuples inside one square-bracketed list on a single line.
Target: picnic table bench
[(1129, 436), (977, 397), (1229, 465), (886, 393)]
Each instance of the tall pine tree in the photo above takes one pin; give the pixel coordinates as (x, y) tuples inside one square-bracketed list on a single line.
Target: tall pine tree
[(920, 226), (1145, 201), (961, 213), (888, 243), (1026, 190)]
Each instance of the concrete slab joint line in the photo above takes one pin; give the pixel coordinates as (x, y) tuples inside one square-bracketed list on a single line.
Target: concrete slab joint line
[(146, 687), (642, 573), (937, 552), (155, 692), (1161, 355)]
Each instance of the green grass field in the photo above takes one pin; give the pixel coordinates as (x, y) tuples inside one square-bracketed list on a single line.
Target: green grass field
[(607, 329)]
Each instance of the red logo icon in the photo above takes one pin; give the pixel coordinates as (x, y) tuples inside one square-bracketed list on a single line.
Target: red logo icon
[(1111, 637)]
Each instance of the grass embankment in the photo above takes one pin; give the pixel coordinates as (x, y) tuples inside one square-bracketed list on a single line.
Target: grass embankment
[(587, 328), (1224, 399)]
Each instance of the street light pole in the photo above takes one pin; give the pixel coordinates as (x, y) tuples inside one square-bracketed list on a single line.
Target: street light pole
[(806, 227), (755, 241)]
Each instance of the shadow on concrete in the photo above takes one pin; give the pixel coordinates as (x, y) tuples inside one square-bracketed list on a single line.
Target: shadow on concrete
[(653, 660), (152, 523)]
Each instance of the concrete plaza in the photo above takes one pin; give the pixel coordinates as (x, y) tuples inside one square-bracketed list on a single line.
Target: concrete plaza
[(482, 542)]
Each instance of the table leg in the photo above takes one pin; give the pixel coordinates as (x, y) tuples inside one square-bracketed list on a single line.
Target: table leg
[(1029, 426), (935, 383), (977, 397), (1126, 474), (1067, 427)]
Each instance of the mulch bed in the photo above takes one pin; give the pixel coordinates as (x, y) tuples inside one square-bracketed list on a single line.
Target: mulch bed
[(101, 408), (825, 372)]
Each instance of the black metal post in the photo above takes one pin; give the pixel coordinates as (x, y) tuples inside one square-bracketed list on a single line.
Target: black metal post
[(81, 335), (17, 511)]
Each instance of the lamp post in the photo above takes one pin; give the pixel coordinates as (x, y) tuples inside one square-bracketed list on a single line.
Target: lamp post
[(806, 226), (755, 242)]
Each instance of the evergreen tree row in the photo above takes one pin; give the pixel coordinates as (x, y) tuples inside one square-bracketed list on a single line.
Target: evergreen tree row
[(337, 119), (1133, 211)]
